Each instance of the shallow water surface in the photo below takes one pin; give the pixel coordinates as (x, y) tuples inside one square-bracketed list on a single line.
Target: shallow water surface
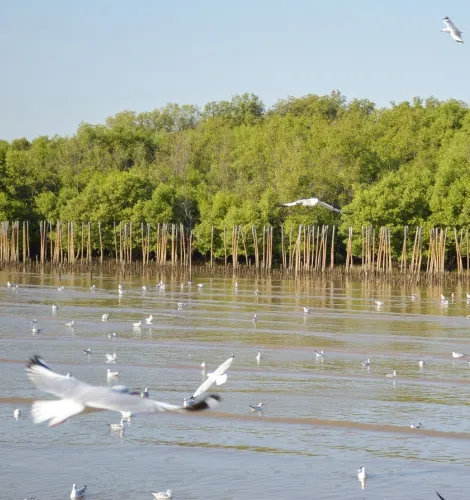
[(322, 418)]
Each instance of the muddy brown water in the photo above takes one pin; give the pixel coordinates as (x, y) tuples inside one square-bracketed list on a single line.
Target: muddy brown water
[(323, 417)]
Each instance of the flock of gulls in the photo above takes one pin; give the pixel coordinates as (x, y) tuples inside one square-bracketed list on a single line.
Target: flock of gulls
[(74, 395)]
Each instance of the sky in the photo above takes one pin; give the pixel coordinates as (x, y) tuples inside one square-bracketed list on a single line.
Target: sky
[(65, 62)]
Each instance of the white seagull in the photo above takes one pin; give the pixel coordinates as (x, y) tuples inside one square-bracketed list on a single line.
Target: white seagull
[(145, 393), (76, 395), (421, 363), (60, 289), (112, 335), (111, 357), (117, 427), (419, 425), (361, 473), (36, 329), (457, 355), (162, 495), (256, 407), (148, 320), (307, 310), (70, 323), (366, 363), (391, 375), (105, 317), (54, 307), (319, 354), (137, 325), (87, 351), (310, 202), (17, 413), (69, 375), (451, 28), (111, 374), (218, 376), (258, 358), (77, 492)]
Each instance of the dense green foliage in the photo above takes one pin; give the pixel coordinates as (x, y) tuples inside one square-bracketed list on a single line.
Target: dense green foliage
[(232, 162)]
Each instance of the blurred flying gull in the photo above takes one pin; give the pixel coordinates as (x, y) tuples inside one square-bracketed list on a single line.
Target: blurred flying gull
[(76, 395), (451, 28), (310, 202), (218, 377)]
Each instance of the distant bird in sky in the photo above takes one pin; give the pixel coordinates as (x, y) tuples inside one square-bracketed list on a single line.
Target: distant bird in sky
[(451, 28), (310, 202)]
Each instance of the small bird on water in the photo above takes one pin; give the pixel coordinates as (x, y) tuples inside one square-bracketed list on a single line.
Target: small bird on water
[(77, 492), (162, 495)]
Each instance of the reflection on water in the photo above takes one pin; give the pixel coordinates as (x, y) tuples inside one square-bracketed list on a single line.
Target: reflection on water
[(322, 416)]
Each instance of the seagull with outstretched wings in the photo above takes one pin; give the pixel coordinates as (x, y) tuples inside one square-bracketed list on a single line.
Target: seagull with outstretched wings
[(75, 396), (310, 202), (452, 29)]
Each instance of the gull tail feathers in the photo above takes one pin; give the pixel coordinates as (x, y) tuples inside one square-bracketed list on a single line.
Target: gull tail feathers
[(55, 411), (221, 379), (209, 402)]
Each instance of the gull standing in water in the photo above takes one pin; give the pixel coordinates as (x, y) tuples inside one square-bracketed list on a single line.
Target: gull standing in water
[(36, 329), (70, 324), (451, 28), (112, 335), (362, 476), (457, 355), (203, 366), (75, 396), (258, 407), (77, 492), (421, 363), (148, 320), (419, 425), (218, 377), (111, 374), (307, 310), (17, 413), (366, 364), (137, 325), (391, 375), (145, 393), (258, 358), (162, 495), (87, 351), (117, 427), (319, 354), (111, 357), (105, 317)]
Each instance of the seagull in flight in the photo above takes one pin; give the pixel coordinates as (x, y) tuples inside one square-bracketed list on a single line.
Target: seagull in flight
[(451, 28), (218, 377), (75, 396), (310, 202)]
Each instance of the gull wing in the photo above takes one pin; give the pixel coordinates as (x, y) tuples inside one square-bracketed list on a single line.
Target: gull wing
[(450, 24), (51, 382), (223, 367), (329, 207), (293, 203), (211, 377)]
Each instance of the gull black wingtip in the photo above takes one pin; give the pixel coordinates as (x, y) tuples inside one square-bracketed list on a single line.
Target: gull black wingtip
[(211, 401), (36, 360), (440, 496)]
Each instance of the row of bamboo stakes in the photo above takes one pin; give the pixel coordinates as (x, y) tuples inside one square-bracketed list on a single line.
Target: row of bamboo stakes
[(306, 248)]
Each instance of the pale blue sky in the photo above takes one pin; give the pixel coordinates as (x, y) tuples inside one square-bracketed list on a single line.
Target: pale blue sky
[(67, 61)]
